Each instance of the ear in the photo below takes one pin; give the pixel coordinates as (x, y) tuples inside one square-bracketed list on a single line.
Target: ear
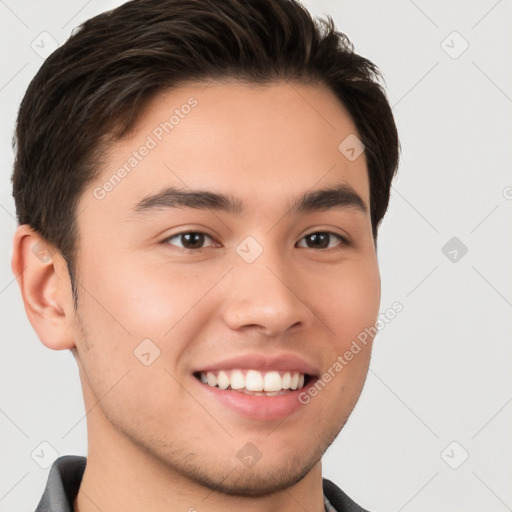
[(45, 286)]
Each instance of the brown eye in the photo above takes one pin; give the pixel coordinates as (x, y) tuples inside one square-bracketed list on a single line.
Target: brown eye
[(322, 240), (190, 240)]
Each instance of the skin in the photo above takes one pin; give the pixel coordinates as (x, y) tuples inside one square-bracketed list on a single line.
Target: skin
[(156, 441)]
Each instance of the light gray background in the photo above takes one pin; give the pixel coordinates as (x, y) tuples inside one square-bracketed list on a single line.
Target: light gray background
[(441, 370)]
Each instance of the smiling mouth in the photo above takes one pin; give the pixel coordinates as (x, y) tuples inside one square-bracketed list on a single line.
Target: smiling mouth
[(254, 382)]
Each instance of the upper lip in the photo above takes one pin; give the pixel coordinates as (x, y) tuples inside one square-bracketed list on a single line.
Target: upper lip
[(261, 362)]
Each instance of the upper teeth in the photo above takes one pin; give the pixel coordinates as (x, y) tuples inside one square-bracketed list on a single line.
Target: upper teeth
[(254, 380)]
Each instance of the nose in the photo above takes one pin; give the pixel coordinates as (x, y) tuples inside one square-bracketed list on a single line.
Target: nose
[(265, 296)]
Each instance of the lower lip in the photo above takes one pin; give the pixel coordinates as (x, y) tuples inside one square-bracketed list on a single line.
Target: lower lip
[(264, 408)]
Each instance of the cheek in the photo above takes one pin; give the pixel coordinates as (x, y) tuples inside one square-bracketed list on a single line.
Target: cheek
[(351, 301), (350, 298), (132, 308), (139, 300)]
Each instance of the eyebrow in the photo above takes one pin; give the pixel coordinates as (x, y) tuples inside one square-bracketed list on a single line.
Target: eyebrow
[(339, 196)]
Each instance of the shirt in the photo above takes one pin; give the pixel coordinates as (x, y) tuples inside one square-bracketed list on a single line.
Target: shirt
[(67, 471)]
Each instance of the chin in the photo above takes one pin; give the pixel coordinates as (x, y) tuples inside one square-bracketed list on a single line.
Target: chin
[(257, 481), (267, 476)]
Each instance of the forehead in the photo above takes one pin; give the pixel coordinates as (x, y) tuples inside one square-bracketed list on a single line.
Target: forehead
[(257, 142)]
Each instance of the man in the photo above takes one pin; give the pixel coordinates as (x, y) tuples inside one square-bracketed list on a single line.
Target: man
[(199, 187)]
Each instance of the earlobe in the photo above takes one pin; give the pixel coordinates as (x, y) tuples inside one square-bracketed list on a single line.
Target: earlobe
[(45, 288)]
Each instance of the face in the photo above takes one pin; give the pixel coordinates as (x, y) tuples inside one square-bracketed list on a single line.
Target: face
[(200, 314)]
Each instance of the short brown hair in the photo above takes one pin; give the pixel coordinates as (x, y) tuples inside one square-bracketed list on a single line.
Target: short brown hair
[(89, 92)]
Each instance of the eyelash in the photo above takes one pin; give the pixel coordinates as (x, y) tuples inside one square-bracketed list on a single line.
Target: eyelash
[(343, 241)]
